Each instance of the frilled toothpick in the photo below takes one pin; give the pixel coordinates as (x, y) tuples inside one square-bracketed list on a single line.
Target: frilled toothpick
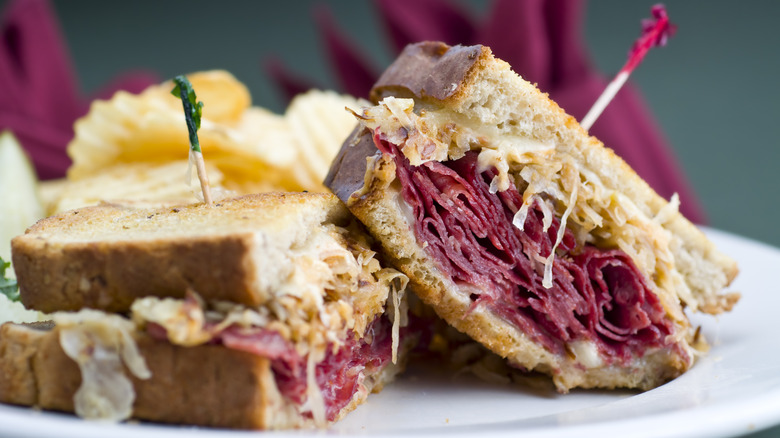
[(192, 114), (656, 31)]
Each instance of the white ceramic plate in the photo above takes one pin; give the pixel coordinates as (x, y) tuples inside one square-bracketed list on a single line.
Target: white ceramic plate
[(733, 390)]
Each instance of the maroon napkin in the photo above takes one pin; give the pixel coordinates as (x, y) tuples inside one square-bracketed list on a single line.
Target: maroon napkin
[(542, 40), (39, 98)]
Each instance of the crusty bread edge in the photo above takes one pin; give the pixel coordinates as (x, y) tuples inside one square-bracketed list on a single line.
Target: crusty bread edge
[(67, 276), (50, 379)]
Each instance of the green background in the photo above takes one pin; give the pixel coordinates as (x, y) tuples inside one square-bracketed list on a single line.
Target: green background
[(713, 90)]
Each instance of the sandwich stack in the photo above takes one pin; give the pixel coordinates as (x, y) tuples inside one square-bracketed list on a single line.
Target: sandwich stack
[(263, 311), (272, 311), (520, 229)]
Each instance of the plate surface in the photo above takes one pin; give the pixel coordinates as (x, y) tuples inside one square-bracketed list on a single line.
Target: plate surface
[(733, 390)]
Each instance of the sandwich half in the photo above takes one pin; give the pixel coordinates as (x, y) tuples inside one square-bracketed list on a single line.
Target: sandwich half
[(264, 311), (521, 230)]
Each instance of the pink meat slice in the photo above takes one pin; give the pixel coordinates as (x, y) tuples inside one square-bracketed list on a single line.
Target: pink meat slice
[(597, 294)]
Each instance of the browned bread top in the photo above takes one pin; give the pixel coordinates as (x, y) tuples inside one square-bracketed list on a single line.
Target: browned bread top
[(275, 212), (106, 256), (412, 74)]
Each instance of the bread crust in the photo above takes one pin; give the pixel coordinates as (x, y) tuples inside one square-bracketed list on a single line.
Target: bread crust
[(106, 256), (205, 385), (92, 275), (412, 76)]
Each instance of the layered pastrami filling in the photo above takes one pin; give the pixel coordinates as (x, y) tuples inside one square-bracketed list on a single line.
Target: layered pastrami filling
[(339, 375), (597, 295)]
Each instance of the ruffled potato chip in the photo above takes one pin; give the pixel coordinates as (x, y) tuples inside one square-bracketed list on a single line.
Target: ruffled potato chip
[(253, 149), (150, 126)]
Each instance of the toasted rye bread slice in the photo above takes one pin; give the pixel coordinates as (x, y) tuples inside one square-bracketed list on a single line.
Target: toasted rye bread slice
[(205, 385), (106, 256), (36, 372), (464, 98)]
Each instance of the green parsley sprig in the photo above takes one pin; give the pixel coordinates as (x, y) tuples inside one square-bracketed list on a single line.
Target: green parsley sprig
[(8, 287), (193, 110)]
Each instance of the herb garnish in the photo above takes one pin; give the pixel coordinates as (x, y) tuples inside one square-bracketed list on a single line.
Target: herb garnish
[(192, 114), (8, 287)]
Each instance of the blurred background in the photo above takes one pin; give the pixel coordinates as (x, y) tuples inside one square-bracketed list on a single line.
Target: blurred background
[(713, 90)]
